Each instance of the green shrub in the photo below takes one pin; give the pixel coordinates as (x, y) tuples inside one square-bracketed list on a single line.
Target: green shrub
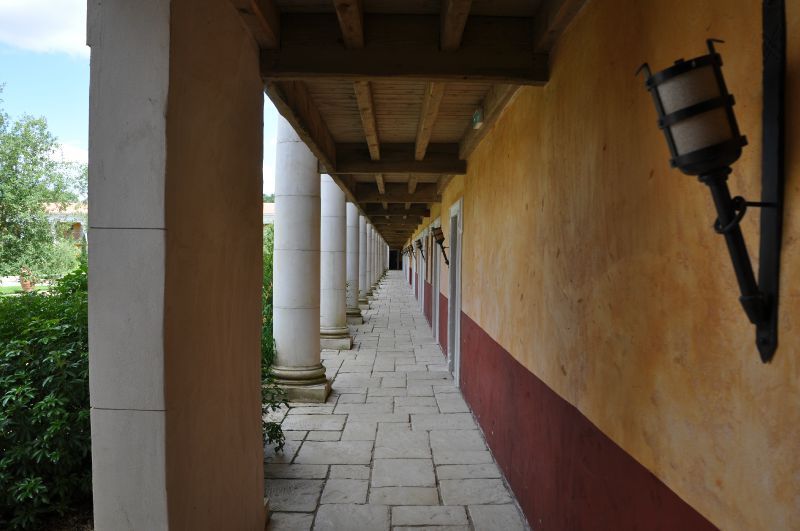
[(272, 396), (45, 461)]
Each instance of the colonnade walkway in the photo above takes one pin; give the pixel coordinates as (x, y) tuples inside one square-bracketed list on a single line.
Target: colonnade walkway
[(395, 446)]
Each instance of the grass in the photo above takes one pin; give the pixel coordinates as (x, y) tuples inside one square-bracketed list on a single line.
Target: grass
[(15, 290)]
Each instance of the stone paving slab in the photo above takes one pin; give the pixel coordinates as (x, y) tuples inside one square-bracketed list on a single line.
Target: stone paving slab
[(395, 446)]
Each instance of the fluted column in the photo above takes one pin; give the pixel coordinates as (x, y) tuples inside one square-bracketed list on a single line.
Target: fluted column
[(353, 311), (362, 263), (296, 270)]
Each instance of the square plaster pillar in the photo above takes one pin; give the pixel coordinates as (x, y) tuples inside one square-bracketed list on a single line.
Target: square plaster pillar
[(175, 155)]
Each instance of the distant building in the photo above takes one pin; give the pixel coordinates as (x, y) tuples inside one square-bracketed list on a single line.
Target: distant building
[(69, 219), (269, 213)]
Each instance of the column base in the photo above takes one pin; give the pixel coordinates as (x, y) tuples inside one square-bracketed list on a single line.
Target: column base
[(354, 316), (316, 394), (303, 384), (335, 343)]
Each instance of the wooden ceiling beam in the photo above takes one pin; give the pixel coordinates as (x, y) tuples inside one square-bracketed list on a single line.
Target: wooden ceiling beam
[(351, 21), (396, 210), (395, 193), (454, 18), (262, 19), (495, 102), (499, 50), (399, 158), (551, 20), (366, 108), (381, 184), (434, 92)]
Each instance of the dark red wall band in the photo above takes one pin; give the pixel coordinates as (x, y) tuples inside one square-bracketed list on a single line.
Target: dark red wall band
[(427, 304), (564, 471), (416, 285), (443, 323)]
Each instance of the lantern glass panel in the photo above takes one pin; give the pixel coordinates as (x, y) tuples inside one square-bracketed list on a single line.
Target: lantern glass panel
[(701, 131), (689, 88)]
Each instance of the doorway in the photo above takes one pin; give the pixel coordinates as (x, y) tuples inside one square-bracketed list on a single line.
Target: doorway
[(434, 283), (395, 260), (454, 302)]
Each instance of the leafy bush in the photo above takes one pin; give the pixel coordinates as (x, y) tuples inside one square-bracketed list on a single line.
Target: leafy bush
[(272, 396), (45, 461)]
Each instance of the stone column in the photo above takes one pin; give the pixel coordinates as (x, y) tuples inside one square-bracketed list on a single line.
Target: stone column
[(353, 311), (362, 263), (370, 265), (374, 258), (333, 330), (296, 270)]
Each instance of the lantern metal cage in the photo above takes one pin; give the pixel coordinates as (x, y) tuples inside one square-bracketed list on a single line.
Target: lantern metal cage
[(695, 112), (438, 236), (419, 246)]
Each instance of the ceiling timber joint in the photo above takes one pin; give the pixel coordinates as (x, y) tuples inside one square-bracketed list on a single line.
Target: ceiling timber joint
[(262, 19)]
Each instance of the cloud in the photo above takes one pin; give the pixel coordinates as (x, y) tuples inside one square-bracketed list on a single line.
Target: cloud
[(72, 153), (44, 25)]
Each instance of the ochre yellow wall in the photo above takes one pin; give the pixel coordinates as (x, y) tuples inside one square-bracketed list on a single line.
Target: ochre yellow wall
[(595, 264)]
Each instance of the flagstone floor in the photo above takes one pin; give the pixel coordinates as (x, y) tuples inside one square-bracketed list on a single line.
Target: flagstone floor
[(395, 446)]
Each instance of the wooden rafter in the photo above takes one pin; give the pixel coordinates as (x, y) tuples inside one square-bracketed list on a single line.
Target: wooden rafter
[(427, 118), (262, 19), (379, 181), (412, 184), (399, 158), (502, 51), (454, 18), (351, 21), (366, 108)]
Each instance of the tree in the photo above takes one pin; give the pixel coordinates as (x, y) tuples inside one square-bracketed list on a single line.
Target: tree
[(268, 198), (30, 176)]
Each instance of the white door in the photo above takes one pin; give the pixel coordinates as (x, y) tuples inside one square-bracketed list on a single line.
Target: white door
[(454, 302), (435, 284)]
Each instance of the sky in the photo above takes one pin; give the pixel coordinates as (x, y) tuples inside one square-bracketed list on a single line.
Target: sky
[(44, 67)]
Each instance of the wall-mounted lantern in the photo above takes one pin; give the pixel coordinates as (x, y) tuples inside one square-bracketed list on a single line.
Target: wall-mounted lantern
[(695, 112), (438, 235), (419, 246)]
